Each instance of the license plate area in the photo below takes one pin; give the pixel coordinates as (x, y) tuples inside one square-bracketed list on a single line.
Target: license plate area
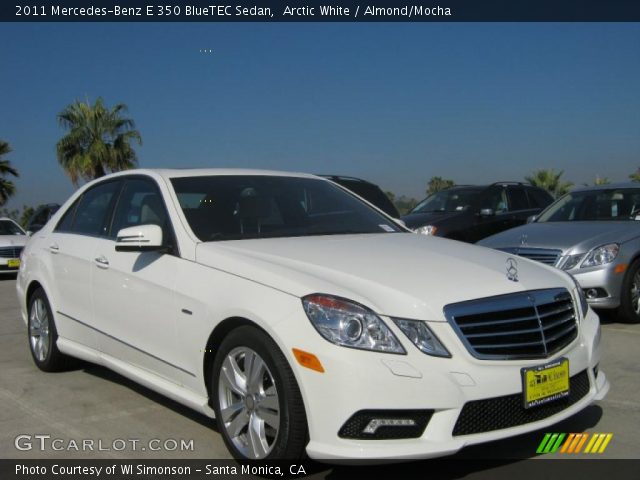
[(13, 263), (545, 383)]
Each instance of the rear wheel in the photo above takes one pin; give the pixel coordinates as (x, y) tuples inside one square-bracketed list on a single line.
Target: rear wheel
[(256, 398), (43, 335), (630, 296)]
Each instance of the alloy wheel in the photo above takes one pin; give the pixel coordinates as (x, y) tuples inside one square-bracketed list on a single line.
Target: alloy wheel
[(39, 330), (635, 293), (249, 403)]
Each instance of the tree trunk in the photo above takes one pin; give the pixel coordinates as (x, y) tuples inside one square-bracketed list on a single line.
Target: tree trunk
[(98, 171)]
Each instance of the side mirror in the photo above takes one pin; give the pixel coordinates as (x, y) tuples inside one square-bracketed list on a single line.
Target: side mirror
[(142, 238), (487, 212), (29, 233), (532, 218)]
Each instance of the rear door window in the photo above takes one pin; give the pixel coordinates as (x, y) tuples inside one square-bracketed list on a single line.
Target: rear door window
[(92, 213), (517, 198)]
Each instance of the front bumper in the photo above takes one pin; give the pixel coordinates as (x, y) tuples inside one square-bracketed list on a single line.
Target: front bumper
[(5, 268), (361, 380), (604, 278)]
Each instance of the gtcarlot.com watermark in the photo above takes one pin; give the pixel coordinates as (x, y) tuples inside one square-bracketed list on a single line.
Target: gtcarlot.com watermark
[(43, 443)]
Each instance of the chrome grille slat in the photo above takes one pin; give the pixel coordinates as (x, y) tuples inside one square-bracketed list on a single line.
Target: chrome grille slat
[(10, 252), (498, 322), (555, 311), (559, 322), (500, 334), (508, 345), (547, 256), (542, 323), (561, 334)]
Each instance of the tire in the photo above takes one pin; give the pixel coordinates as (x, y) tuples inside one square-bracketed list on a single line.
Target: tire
[(629, 310), (43, 336), (265, 417)]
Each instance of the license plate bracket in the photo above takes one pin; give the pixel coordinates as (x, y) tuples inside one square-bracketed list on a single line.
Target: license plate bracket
[(545, 383)]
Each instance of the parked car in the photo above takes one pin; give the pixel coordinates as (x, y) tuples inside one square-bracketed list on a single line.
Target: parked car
[(12, 240), (594, 234), (470, 213), (371, 192), (41, 216), (304, 319)]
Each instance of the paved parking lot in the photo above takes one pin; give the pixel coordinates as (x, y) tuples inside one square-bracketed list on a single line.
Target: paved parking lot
[(94, 403)]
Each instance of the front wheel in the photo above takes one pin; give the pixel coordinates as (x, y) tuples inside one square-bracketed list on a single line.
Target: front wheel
[(630, 296), (256, 398)]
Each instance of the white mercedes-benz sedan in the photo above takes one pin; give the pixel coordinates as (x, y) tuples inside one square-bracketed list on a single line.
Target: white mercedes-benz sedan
[(304, 319), (12, 240)]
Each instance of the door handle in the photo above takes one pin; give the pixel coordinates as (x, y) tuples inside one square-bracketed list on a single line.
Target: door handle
[(101, 261), (54, 248)]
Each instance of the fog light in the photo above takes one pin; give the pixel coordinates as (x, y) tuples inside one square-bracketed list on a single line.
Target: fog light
[(592, 293), (376, 423)]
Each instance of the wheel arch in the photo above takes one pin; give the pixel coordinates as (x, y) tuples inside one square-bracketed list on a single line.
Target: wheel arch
[(215, 339), (31, 289)]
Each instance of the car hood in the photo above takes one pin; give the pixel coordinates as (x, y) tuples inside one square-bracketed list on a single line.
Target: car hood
[(570, 237), (415, 220), (396, 274), (13, 240)]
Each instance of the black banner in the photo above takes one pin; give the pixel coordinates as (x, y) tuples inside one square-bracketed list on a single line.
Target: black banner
[(508, 469), (331, 11)]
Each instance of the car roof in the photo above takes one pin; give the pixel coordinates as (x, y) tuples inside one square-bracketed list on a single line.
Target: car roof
[(169, 173), (608, 186)]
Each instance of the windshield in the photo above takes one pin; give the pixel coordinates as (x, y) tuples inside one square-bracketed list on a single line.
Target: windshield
[(230, 207), (7, 227), (450, 200), (595, 205)]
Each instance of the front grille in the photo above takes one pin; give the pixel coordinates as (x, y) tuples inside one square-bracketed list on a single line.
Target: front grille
[(10, 252), (543, 255), (354, 427), (499, 413), (533, 324)]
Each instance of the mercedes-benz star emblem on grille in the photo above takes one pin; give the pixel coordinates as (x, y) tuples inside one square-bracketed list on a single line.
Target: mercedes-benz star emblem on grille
[(523, 239), (512, 269)]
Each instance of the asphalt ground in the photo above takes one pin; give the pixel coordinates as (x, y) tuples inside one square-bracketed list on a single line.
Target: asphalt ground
[(128, 421)]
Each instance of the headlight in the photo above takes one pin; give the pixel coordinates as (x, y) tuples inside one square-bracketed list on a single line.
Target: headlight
[(350, 324), (582, 299), (601, 255), (426, 230), (422, 337)]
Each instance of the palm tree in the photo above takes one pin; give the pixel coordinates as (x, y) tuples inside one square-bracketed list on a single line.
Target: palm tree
[(438, 183), (98, 141), (550, 181), (601, 180), (635, 176), (7, 188)]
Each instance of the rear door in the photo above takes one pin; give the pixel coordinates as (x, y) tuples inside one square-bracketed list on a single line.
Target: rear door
[(494, 199), (70, 249), (519, 206)]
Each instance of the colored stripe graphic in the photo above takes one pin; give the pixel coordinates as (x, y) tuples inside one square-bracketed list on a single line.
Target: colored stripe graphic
[(551, 443), (574, 443)]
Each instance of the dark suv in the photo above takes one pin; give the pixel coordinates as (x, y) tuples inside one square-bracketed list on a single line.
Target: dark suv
[(369, 191), (41, 216), (470, 213)]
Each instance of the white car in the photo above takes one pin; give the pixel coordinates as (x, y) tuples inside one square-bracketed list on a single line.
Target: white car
[(305, 319), (12, 240)]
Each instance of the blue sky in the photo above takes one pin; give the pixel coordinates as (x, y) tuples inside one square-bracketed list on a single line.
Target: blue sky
[(392, 103)]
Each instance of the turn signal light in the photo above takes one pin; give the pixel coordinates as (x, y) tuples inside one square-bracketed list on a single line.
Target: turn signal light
[(308, 360)]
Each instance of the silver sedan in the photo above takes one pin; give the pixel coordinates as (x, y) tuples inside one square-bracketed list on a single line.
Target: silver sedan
[(594, 234)]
